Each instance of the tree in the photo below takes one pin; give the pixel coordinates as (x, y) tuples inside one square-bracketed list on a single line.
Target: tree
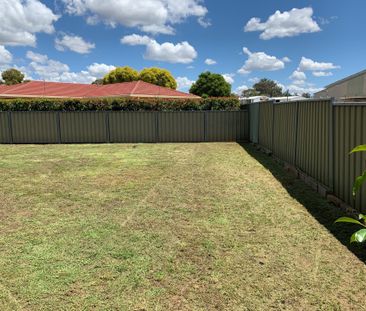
[(250, 93), (158, 76), (98, 82), (306, 95), (268, 87), (211, 85), (121, 74), (286, 93), (12, 76)]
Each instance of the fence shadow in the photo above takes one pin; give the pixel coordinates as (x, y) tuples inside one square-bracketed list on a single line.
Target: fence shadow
[(324, 212)]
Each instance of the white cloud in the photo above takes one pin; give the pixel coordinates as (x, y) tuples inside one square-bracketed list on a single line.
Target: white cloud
[(204, 22), (326, 20), (184, 83), (240, 89), (47, 69), (260, 61), (36, 57), (306, 88), (286, 59), (22, 19), (135, 39), (309, 64), (254, 80), (286, 24), (152, 16), (73, 43), (100, 70), (298, 75), (229, 77), (322, 74), (181, 52), (210, 61), (5, 56)]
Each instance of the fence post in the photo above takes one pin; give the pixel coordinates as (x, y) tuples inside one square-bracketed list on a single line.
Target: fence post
[(107, 125), (205, 126), (157, 126), (58, 127), (331, 145), (296, 132), (10, 127), (248, 120), (273, 125)]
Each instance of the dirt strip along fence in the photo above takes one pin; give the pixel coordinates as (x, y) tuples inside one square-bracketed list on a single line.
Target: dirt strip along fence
[(51, 127), (315, 136)]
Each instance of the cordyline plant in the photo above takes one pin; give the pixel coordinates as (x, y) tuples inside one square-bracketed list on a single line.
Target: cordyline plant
[(360, 235)]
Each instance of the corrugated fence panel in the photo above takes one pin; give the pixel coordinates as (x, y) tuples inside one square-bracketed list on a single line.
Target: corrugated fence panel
[(349, 131), (265, 124), (183, 126), (34, 127), (5, 135), (227, 125), (284, 131), (314, 135), (254, 122), (84, 127), (132, 127)]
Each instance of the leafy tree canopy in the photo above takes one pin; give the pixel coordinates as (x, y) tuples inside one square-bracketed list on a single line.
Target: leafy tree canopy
[(12, 76), (211, 85), (250, 93), (121, 74), (268, 87), (98, 82), (158, 76)]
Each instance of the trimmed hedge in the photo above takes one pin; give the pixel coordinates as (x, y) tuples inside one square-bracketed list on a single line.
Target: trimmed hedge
[(121, 104)]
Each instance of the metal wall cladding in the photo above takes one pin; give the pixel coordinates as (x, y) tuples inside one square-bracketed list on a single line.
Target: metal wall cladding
[(5, 134), (84, 127), (227, 125), (349, 132), (284, 131), (266, 125), (254, 122), (34, 127), (132, 127), (182, 126), (313, 152)]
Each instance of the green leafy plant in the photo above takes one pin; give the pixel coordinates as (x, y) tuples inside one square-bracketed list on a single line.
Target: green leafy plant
[(360, 235), (121, 104)]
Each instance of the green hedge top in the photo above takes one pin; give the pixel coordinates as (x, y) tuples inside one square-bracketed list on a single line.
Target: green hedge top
[(122, 104)]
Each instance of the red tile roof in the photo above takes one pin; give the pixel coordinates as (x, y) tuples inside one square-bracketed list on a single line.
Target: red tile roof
[(75, 90)]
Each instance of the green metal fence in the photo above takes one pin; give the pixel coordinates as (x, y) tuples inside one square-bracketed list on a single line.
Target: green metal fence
[(29, 127), (316, 136)]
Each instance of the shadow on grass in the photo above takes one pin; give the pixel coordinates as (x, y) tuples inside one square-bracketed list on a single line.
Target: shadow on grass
[(324, 212)]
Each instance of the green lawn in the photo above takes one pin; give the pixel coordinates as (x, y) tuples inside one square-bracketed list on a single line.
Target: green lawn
[(167, 227)]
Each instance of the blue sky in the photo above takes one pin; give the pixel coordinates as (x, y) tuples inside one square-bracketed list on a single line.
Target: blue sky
[(304, 45)]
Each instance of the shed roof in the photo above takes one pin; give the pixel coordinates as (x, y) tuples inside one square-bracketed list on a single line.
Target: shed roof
[(347, 78)]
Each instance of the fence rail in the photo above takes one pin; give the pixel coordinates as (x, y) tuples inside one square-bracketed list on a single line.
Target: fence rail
[(316, 136), (52, 127)]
